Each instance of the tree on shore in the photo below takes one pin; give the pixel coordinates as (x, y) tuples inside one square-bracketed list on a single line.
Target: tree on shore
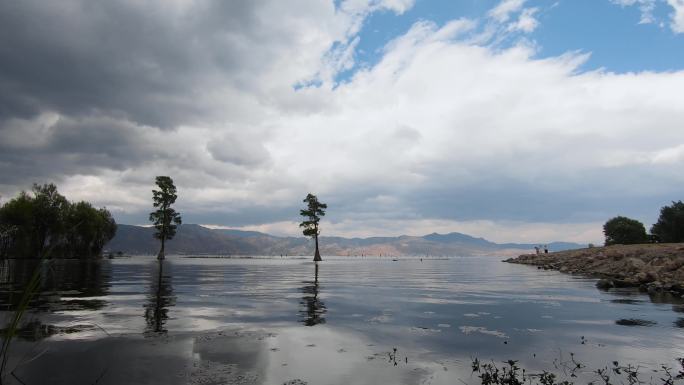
[(165, 219), (624, 231), (670, 225), (313, 213)]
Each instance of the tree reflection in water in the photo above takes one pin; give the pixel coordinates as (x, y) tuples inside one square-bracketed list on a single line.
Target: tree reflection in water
[(160, 299), (64, 286), (314, 308), (82, 279)]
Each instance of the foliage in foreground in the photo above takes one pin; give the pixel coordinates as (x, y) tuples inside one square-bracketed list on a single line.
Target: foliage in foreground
[(511, 374), (31, 224)]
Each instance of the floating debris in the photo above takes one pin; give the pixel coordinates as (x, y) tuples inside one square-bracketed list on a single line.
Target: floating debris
[(634, 322), (482, 330), (295, 382)]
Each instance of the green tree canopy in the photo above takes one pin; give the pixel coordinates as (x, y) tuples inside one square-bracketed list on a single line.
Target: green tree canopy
[(670, 225), (624, 231), (312, 213), (47, 223), (165, 219)]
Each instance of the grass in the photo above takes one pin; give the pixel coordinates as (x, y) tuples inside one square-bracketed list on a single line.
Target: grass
[(27, 294)]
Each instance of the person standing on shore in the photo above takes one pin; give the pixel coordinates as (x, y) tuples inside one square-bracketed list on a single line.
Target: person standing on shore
[(536, 250)]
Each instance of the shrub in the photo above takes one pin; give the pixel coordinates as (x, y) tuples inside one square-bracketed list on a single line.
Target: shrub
[(624, 231)]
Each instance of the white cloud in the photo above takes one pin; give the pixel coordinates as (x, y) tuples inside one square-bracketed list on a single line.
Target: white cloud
[(502, 22), (502, 12), (677, 23), (366, 6), (646, 7), (526, 22)]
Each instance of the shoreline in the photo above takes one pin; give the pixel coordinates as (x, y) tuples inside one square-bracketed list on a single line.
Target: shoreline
[(649, 267)]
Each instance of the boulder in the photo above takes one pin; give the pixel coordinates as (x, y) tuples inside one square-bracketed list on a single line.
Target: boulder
[(634, 264), (645, 277)]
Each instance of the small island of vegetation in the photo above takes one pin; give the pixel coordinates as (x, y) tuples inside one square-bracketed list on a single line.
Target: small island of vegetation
[(44, 223)]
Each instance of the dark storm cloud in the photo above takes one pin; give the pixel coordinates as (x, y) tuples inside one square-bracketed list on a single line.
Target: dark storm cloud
[(77, 58), (149, 62), (67, 147), (121, 75)]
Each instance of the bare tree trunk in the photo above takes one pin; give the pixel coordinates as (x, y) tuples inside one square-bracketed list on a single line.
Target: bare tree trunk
[(316, 276), (317, 255), (158, 307), (160, 256)]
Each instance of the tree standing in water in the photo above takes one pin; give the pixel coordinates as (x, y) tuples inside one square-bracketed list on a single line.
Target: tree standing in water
[(164, 218), (313, 213)]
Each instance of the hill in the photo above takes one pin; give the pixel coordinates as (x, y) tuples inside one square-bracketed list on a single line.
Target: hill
[(196, 239)]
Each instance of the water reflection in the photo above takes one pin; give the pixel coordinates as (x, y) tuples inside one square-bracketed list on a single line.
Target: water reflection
[(314, 308), (64, 284), (242, 318), (35, 330), (160, 299)]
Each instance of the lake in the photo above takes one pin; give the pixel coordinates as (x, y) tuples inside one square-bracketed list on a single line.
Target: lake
[(358, 321)]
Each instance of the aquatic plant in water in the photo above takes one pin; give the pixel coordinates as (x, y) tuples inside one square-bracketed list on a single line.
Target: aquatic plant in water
[(510, 373)]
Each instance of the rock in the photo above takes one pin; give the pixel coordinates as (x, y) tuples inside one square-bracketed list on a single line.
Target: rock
[(604, 284), (645, 277), (653, 268), (654, 287), (628, 282), (634, 264)]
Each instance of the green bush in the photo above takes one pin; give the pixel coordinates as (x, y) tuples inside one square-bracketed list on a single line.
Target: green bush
[(624, 231)]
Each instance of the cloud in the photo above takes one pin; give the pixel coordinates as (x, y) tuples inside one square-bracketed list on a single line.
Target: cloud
[(239, 103), (367, 6), (500, 232), (502, 23), (526, 22), (646, 7), (502, 12), (677, 16), (666, 156)]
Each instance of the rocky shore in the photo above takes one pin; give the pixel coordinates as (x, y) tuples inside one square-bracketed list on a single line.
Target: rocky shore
[(650, 267)]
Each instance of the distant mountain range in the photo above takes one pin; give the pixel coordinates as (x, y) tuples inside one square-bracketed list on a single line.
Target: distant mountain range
[(196, 239)]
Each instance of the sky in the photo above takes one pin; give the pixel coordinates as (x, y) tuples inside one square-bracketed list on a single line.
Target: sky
[(513, 120)]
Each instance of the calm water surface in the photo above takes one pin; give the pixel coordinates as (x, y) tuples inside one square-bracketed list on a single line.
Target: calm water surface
[(273, 321)]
